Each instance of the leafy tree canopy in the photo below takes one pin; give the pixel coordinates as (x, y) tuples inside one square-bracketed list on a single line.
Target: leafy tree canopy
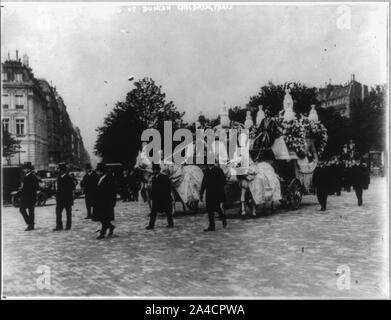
[(145, 106)]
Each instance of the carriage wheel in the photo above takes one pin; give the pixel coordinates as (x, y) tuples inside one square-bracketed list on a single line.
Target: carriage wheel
[(295, 194)]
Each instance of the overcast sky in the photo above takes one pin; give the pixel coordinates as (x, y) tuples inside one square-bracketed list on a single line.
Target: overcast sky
[(202, 59)]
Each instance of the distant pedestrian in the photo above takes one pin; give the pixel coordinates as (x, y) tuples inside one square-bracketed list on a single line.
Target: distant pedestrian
[(64, 198), (104, 200), (161, 197), (360, 178), (213, 185), (29, 196), (89, 184), (322, 182)]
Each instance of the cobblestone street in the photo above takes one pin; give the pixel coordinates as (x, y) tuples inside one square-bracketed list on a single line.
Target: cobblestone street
[(289, 253)]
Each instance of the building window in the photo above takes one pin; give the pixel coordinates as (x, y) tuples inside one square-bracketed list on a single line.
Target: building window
[(19, 102), (20, 130), (4, 76), (6, 101), (6, 125), (18, 77)]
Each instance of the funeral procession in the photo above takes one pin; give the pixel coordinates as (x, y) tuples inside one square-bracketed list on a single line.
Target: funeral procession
[(184, 163)]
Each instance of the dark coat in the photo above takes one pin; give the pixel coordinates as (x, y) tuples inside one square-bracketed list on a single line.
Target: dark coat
[(29, 190), (89, 184), (359, 177), (65, 188), (213, 184), (105, 199), (323, 179), (161, 193)]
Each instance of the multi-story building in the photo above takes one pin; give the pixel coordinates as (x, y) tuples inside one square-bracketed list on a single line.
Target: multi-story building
[(35, 114), (53, 122), (24, 109), (342, 97)]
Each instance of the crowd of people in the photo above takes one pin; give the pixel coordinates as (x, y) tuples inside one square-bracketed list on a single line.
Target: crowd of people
[(331, 177), (337, 174)]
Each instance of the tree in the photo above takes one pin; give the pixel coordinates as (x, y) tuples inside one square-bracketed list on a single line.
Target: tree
[(339, 130), (272, 96), (237, 114), (9, 145), (369, 121), (119, 139)]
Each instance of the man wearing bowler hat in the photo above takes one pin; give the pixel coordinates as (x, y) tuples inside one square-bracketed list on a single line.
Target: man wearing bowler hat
[(104, 200), (161, 197), (89, 184), (29, 195), (64, 197)]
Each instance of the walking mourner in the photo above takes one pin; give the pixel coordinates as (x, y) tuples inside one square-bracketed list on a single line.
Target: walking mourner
[(89, 183), (359, 178), (213, 185), (64, 197), (322, 182), (29, 196), (161, 197), (105, 200)]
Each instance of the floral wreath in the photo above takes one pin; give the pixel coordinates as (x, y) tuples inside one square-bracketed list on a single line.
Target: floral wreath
[(294, 135), (317, 131)]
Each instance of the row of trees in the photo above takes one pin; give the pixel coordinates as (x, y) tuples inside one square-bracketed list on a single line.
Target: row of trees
[(145, 106)]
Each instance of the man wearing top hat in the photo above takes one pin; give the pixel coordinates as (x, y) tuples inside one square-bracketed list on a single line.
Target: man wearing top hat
[(89, 184), (161, 197), (29, 195), (64, 198), (104, 200)]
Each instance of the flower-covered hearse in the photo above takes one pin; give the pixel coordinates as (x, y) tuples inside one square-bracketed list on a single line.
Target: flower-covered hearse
[(284, 152)]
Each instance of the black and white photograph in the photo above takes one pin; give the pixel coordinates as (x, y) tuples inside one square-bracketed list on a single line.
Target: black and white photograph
[(195, 150)]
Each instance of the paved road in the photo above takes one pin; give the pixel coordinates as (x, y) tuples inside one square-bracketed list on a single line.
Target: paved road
[(289, 253)]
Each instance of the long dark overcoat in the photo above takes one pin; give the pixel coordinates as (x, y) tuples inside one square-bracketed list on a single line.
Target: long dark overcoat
[(161, 193), (213, 184), (64, 193), (89, 184), (359, 177), (105, 199), (322, 180), (29, 190)]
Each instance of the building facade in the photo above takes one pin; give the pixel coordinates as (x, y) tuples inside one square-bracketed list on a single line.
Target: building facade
[(35, 114), (24, 113), (342, 97)]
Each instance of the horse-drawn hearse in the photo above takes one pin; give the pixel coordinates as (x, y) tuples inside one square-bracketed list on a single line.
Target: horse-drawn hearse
[(282, 155)]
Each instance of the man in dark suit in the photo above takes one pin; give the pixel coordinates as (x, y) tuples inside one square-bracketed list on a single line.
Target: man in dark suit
[(360, 178), (213, 185), (89, 184), (64, 198), (322, 182), (104, 200), (161, 197), (29, 196)]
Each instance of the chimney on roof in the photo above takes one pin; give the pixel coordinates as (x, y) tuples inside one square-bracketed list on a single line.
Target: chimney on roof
[(17, 55), (353, 77), (9, 57), (26, 60), (330, 81)]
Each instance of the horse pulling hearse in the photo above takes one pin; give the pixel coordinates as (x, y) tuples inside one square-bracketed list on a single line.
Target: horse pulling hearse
[(282, 154)]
